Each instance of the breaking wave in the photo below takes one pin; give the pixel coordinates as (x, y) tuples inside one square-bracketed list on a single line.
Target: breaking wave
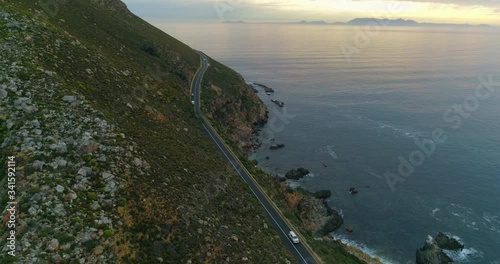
[(367, 250), (465, 255)]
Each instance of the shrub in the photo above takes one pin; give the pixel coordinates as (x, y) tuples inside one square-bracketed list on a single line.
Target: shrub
[(63, 238), (151, 49), (108, 232), (92, 196), (90, 244)]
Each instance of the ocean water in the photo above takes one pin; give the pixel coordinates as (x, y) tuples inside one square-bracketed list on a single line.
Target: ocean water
[(357, 103)]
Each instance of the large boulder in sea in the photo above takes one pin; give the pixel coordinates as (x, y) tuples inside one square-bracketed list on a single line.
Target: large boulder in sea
[(296, 174), (322, 194), (446, 242), (430, 253)]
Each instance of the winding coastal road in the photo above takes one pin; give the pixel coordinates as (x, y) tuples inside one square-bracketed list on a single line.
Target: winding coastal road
[(302, 253)]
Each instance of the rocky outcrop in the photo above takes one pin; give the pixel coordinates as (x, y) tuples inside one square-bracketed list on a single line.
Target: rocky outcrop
[(266, 88), (277, 146), (334, 221), (322, 194), (446, 242), (233, 106), (296, 174), (431, 253), (278, 103), (321, 217)]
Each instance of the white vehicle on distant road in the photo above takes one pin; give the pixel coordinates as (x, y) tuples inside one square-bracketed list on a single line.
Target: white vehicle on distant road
[(293, 237)]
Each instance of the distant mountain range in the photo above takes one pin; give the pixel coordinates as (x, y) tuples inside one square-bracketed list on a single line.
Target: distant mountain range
[(403, 22), (376, 21)]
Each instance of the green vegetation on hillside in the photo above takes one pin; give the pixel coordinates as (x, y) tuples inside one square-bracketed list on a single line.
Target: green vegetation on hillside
[(141, 182)]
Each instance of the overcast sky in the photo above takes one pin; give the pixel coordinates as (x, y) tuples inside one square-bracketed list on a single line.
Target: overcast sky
[(459, 11)]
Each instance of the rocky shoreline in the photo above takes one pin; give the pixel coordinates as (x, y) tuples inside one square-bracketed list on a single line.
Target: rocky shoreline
[(266, 88), (278, 103), (433, 249), (312, 207)]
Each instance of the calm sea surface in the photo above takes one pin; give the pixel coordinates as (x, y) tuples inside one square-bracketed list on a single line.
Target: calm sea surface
[(351, 118)]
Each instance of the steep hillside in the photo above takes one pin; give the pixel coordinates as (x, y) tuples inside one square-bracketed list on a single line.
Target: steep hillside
[(111, 163)]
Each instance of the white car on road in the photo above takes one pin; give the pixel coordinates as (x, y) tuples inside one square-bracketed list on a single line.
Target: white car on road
[(293, 237)]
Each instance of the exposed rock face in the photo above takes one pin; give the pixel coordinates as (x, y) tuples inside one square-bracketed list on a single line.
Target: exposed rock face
[(232, 106), (296, 174), (430, 253), (319, 216), (445, 242), (334, 221)]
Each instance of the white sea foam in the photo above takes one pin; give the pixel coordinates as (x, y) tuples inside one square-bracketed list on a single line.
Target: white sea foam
[(492, 221), (465, 255), (341, 213), (491, 218), (474, 221), (369, 251), (293, 184), (311, 175), (404, 132), (494, 229), (329, 149), (434, 211)]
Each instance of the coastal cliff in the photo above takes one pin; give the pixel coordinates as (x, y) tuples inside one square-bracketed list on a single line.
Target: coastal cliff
[(232, 106)]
